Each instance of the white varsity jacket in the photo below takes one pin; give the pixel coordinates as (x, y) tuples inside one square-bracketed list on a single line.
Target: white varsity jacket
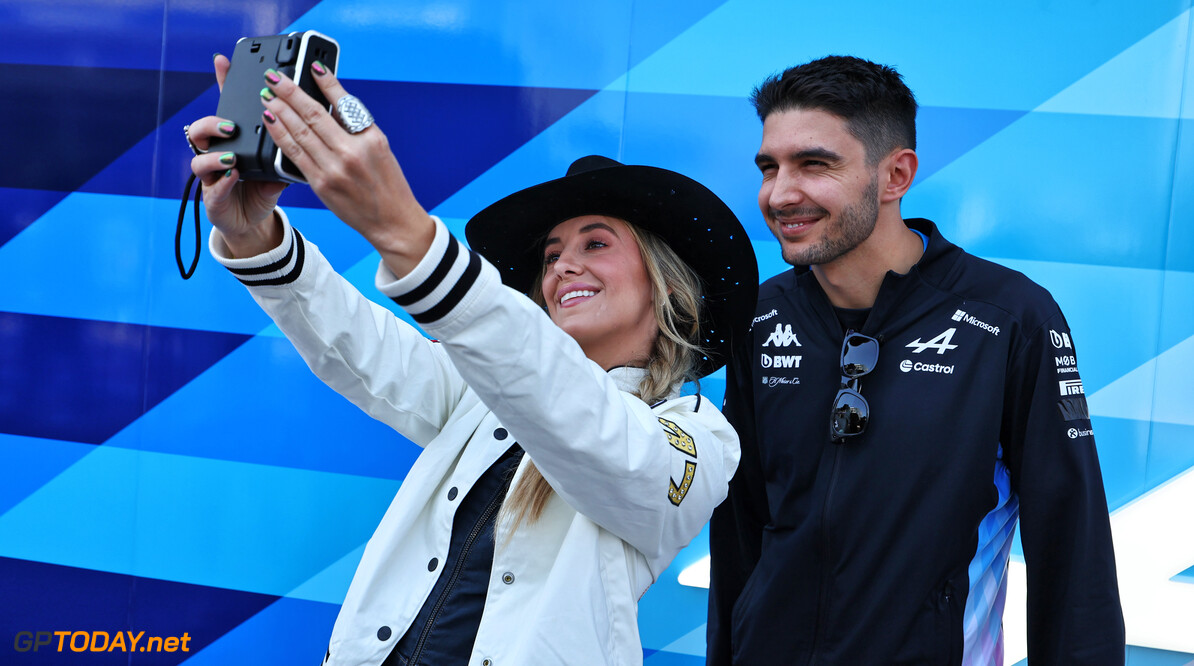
[(634, 483)]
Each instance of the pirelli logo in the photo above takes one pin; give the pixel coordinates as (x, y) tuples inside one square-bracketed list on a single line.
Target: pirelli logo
[(682, 442), (1071, 387)]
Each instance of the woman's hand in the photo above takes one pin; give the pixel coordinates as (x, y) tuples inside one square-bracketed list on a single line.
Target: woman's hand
[(243, 212), (354, 175)]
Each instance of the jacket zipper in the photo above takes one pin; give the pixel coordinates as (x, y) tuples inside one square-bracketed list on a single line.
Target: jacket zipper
[(830, 318), (826, 567), (456, 572)]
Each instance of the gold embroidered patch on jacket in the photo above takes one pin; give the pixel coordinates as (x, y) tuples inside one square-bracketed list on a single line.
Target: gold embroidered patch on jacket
[(682, 442), (676, 493), (678, 438)]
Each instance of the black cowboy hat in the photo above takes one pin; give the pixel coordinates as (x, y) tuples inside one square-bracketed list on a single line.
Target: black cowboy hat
[(694, 222)]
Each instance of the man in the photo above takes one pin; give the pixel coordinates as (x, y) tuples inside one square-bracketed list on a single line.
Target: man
[(901, 403)]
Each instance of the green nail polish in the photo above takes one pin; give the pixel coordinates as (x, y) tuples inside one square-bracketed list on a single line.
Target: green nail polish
[(228, 159), (228, 173), (215, 55), (318, 68), (271, 75), (227, 127), (267, 94)]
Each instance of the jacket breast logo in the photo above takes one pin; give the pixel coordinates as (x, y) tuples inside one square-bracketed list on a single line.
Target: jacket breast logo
[(941, 343), (780, 360), (782, 336), (765, 317), (966, 317)]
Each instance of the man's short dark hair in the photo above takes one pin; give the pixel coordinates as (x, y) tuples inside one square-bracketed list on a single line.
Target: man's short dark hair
[(879, 110)]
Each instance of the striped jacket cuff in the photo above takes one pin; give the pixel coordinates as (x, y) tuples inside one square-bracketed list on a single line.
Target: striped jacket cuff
[(281, 265), (440, 282)]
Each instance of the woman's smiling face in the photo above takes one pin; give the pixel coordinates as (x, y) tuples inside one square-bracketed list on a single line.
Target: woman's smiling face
[(596, 288)]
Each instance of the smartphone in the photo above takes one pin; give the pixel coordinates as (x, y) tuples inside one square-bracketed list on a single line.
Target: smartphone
[(257, 158)]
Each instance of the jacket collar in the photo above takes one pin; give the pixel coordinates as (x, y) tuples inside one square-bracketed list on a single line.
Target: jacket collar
[(627, 378), (933, 267), (938, 246)]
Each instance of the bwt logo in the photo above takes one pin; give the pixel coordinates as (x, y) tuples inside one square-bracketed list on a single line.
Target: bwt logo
[(777, 361), (782, 336)]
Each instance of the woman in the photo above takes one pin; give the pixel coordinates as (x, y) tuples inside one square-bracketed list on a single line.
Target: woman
[(561, 471)]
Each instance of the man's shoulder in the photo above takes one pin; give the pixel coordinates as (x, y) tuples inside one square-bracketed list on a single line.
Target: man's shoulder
[(981, 275), (977, 279), (952, 268), (784, 284)]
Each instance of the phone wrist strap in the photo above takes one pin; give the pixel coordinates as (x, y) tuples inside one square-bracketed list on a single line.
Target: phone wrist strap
[(182, 211)]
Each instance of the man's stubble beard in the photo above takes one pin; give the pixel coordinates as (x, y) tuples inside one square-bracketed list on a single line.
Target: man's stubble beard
[(852, 226)]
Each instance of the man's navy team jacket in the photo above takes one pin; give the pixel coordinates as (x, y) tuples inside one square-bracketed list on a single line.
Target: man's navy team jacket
[(892, 547)]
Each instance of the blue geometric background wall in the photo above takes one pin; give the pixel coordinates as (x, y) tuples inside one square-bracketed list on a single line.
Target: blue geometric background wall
[(169, 465)]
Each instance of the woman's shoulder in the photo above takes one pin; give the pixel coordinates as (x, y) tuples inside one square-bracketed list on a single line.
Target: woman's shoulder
[(697, 410)]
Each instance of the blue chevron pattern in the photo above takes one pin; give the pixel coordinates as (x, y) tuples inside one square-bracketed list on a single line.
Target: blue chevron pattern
[(169, 465)]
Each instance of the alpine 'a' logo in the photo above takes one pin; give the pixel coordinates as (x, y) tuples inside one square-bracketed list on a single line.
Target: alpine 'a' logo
[(941, 343), (782, 336)]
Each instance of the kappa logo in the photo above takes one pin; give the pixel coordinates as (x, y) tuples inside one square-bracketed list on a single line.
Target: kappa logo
[(941, 343), (1071, 387), (782, 336)]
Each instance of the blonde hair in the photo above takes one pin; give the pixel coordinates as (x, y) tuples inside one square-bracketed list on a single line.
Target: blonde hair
[(676, 295)]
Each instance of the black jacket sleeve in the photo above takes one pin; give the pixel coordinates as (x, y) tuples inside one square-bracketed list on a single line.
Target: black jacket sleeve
[(736, 528), (1074, 614)]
